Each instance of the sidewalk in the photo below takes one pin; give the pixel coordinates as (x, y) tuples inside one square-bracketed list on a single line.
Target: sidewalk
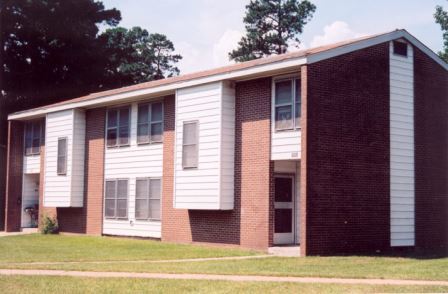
[(235, 278)]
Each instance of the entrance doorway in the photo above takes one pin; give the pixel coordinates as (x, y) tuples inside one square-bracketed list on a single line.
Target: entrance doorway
[(284, 209), (30, 201)]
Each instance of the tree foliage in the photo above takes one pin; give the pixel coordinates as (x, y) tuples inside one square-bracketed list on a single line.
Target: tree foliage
[(271, 27), (441, 17)]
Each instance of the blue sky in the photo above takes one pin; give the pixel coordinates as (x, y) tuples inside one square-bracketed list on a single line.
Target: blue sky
[(203, 31)]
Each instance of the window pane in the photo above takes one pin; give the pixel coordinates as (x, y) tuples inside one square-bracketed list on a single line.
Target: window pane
[(190, 133), (283, 117), (36, 145), (28, 146), (155, 189), (124, 117), (124, 135), (141, 209), (109, 208), (156, 112), (28, 131), (112, 137), (62, 146), (122, 189), (142, 133), (283, 92), (141, 189), (156, 132), (110, 189), (143, 113), (298, 93), (36, 130), (112, 118), (189, 156), (298, 114), (122, 205), (154, 209)]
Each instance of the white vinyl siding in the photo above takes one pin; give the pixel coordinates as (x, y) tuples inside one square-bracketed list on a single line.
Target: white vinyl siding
[(286, 144), (402, 181), (31, 164), (132, 162), (209, 186), (65, 190)]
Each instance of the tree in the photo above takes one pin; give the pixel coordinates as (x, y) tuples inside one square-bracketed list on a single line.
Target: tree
[(135, 56), (441, 17), (49, 49), (272, 26)]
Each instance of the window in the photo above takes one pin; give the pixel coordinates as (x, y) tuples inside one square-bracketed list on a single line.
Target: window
[(150, 123), (116, 202), (401, 48), (190, 145), (62, 156), (288, 103), (33, 137), (118, 126), (147, 199)]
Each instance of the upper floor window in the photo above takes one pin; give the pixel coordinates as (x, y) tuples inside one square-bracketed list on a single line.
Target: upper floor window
[(150, 123), (62, 156), (190, 145), (118, 123), (400, 48), (116, 202), (288, 104), (33, 137)]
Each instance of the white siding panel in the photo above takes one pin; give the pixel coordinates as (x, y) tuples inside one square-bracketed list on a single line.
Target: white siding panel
[(402, 182), (132, 162), (31, 164), (211, 184)]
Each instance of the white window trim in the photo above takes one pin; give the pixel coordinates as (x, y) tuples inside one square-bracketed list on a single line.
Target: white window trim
[(150, 122), (116, 193), (64, 173), (118, 109), (148, 199), (293, 78), (196, 143)]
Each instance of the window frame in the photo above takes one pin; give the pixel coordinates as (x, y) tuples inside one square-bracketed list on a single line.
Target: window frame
[(148, 198), (63, 173), (33, 124), (296, 122), (115, 217), (118, 109), (184, 166), (149, 123), (397, 42)]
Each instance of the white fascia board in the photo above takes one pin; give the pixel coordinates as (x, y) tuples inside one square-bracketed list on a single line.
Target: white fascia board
[(163, 89), (313, 58)]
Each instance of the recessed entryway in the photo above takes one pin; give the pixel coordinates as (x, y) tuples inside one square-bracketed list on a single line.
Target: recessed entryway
[(30, 201), (284, 209)]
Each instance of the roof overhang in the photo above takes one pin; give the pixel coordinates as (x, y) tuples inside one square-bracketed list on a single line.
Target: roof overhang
[(255, 71)]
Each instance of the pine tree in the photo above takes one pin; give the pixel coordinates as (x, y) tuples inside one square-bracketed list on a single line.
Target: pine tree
[(441, 17)]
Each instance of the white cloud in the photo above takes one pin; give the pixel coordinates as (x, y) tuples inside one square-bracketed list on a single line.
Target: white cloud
[(227, 42), (335, 32)]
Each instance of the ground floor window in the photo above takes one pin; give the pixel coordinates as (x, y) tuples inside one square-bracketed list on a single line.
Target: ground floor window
[(147, 199), (116, 199)]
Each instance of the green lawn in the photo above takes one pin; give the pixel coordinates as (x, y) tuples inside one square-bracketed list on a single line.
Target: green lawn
[(25, 284), (81, 248), (37, 247)]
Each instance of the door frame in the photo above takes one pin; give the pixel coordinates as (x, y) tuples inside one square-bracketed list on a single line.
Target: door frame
[(286, 238)]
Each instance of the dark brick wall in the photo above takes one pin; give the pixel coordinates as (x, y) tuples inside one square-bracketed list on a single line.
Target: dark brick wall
[(14, 176), (431, 154), (89, 218), (347, 153), (249, 224)]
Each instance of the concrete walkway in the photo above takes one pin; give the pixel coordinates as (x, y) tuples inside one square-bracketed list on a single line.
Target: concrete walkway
[(234, 278)]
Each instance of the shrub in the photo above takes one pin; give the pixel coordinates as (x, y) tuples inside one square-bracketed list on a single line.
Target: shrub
[(49, 225)]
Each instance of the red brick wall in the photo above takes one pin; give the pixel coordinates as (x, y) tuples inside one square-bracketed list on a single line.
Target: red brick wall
[(249, 224), (89, 218), (431, 157), (347, 153), (14, 176)]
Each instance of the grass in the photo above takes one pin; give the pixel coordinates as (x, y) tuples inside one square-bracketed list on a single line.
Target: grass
[(36, 247), (27, 284), (82, 248)]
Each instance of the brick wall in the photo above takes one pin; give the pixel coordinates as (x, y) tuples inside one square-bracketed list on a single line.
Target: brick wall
[(249, 224), (347, 154), (88, 219), (2, 185), (14, 176), (431, 157)]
